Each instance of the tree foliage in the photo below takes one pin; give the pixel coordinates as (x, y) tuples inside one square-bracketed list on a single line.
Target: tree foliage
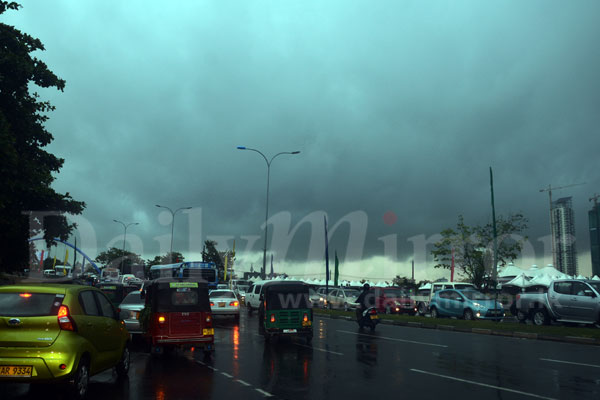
[(113, 258), (473, 247), (168, 258), (26, 169)]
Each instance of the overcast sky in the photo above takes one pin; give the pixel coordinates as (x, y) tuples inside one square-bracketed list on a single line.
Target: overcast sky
[(398, 106)]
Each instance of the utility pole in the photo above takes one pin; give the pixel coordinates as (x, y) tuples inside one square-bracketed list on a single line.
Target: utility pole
[(549, 189)]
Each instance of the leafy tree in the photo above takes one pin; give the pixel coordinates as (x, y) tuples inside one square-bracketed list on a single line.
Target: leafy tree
[(49, 262), (26, 170), (211, 254), (473, 247), (113, 257)]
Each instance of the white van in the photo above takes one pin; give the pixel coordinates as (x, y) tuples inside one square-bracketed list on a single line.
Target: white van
[(253, 296)]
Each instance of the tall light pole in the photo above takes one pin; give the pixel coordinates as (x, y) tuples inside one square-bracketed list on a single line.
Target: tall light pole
[(262, 272), (172, 224), (125, 226)]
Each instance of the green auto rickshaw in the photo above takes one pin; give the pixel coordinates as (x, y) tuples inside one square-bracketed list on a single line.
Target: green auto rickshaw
[(285, 310)]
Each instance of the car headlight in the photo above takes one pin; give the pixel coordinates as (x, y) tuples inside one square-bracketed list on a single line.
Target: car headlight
[(478, 305)]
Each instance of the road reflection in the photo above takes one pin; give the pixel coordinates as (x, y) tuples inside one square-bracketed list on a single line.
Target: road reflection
[(286, 368), (366, 353)]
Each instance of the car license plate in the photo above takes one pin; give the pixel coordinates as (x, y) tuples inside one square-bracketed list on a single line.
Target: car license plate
[(221, 304), (374, 316), (13, 370), (290, 331), (206, 332)]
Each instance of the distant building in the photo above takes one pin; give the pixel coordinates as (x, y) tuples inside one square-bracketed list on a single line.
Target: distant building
[(563, 236), (594, 218)]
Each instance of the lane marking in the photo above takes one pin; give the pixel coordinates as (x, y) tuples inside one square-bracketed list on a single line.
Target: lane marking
[(213, 368), (570, 362), (394, 339), (483, 384), (200, 362), (266, 394), (316, 348), (243, 382), (226, 374)]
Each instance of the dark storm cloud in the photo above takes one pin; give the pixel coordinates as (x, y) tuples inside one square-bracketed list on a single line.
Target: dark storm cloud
[(398, 106)]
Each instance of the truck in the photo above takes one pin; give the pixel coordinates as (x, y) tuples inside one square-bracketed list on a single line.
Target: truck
[(425, 293), (567, 300)]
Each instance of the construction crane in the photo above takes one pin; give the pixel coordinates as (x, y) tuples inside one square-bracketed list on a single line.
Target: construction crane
[(549, 189)]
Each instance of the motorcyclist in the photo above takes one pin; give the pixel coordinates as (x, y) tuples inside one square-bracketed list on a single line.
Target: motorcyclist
[(362, 301)]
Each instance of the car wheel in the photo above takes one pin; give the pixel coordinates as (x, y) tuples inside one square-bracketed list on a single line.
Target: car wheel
[(422, 309), (468, 315), (521, 316), (123, 365), (434, 313), (207, 354), (372, 327), (540, 317), (249, 309), (81, 380)]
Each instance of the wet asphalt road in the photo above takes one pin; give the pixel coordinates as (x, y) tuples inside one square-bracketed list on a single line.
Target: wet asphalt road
[(343, 363)]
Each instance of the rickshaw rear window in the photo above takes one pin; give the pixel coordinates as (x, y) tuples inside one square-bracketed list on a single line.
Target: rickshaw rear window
[(288, 298), (183, 299)]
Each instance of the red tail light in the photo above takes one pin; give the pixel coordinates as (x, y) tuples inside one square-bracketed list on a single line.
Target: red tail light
[(234, 304), (373, 311), (162, 319), (272, 317), (212, 304), (208, 319), (25, 295), (64, 319), (305, 318)]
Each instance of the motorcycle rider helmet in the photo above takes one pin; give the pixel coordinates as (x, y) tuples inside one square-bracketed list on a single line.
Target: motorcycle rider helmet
[(366, 286)]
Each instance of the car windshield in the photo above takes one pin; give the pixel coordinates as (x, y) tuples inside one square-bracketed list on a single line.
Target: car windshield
[(222, 294), (242, 288), (133, 298), (394, 293), (475, 295), (351, 292), (595, 285)]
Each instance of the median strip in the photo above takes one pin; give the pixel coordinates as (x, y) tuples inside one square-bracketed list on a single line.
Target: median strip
[(570, 362)]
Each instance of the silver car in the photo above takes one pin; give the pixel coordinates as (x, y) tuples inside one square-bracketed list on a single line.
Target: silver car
[(224, 302), (130, 309)]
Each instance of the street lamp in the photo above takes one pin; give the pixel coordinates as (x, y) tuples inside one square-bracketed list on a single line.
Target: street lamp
[(172, 224), (262, 272), (125, 226)]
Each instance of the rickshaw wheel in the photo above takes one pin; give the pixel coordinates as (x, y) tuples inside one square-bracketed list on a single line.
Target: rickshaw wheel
[(207, 354), (309, 338)]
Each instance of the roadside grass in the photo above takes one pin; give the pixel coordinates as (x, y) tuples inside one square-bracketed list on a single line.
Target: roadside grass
[(549, 330)]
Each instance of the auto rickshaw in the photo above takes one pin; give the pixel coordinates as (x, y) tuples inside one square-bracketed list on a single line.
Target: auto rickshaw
[(115, 291), (285, 310), (177, 314)]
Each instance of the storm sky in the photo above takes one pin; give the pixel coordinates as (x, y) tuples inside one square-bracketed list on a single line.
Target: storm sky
[(396, 106)]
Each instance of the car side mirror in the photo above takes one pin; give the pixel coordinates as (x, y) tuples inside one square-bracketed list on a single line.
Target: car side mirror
[(589, 293), (461, 299)]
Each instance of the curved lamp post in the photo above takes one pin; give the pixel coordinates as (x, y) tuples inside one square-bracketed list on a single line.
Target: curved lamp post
[(263, 270), (125, 226), (172, 224)]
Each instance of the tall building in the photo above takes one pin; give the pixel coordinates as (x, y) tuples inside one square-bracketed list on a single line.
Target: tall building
[(594, 218), (563, 235)]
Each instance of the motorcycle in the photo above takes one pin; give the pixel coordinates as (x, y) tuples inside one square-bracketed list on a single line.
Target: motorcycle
[(369, 318)]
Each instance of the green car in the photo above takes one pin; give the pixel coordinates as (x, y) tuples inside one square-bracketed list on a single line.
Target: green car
[(59, 333), (285, 310)]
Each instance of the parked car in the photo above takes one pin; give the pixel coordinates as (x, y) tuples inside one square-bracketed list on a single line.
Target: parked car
[(567, 300), (393, 300), (53, 333), (342, 299), (224, 302), (314, 297), (424, 296), (129, 311), (467, 304), (240, 292), (322, 292), (222, 286)]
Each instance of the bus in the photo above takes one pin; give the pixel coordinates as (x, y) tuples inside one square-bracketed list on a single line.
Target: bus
[(205, 270)]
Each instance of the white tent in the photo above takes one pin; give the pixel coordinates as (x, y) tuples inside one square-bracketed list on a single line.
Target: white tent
[(510, 270), (580, 277), (518, 281), (541, 280), (596, 278), (549, 270), (426, 286)]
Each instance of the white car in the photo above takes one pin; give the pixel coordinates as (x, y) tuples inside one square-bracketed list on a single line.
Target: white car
[(253, 296), (224, 302)]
